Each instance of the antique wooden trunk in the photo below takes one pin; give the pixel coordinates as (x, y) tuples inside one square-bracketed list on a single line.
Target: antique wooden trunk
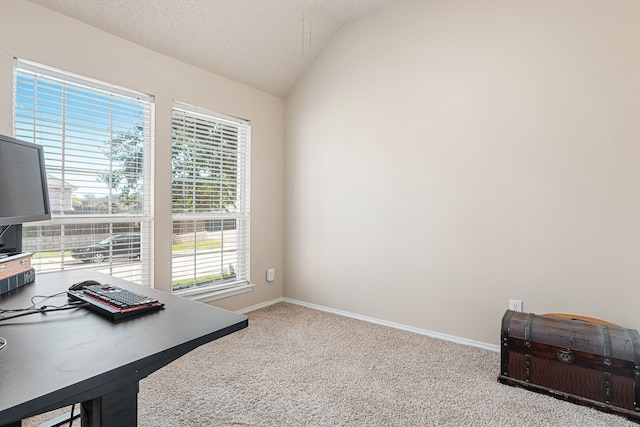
[(583, 362)]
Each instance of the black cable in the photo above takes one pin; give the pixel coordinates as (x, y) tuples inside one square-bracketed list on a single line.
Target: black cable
[(71, 417), (5, 230), (4, 343), (33, 304), (46, 309)]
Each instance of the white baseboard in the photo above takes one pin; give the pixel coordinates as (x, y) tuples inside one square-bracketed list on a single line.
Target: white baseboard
[(259, 306), (458, 340)]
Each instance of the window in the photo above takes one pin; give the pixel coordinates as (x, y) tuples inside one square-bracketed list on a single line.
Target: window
[(96, 139), (210, 201)]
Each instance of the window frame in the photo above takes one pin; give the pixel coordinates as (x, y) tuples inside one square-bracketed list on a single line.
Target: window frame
[(241, 282), (110, 219)]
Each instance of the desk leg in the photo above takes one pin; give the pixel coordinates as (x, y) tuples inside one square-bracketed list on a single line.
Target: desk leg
[(115, 409)]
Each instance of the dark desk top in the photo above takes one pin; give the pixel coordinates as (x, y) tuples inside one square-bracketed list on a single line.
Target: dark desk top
[(59, 358)]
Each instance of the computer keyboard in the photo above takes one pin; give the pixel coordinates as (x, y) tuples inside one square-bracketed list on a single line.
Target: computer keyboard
[(114, 302)]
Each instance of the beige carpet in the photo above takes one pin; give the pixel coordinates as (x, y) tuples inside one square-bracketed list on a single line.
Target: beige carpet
[(295, 366)]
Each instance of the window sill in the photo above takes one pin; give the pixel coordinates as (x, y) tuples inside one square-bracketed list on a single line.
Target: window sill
[(204, 295)]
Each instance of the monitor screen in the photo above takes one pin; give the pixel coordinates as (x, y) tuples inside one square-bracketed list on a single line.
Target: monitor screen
[(24, 195)]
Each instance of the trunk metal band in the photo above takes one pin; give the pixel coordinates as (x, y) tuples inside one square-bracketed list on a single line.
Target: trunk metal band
[(527, 330), (635, 341), (608, 378)]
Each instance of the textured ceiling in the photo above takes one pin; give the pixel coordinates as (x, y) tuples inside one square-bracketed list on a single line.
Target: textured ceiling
[(266, 44)]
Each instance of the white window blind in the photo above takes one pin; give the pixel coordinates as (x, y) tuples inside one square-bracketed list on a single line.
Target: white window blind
[(97, 141), (210, 200)]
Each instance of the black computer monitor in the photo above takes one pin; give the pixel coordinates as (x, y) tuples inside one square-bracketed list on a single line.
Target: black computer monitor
[(24, 195)]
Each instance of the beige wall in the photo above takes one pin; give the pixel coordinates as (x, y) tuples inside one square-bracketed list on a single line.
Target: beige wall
[(443, 157), (36, 34)]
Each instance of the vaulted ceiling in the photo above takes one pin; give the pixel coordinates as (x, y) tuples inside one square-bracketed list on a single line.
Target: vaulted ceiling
[(267, 44)]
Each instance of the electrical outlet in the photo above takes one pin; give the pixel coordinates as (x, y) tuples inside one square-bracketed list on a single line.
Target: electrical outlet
[(271, 274), (515, 304)]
